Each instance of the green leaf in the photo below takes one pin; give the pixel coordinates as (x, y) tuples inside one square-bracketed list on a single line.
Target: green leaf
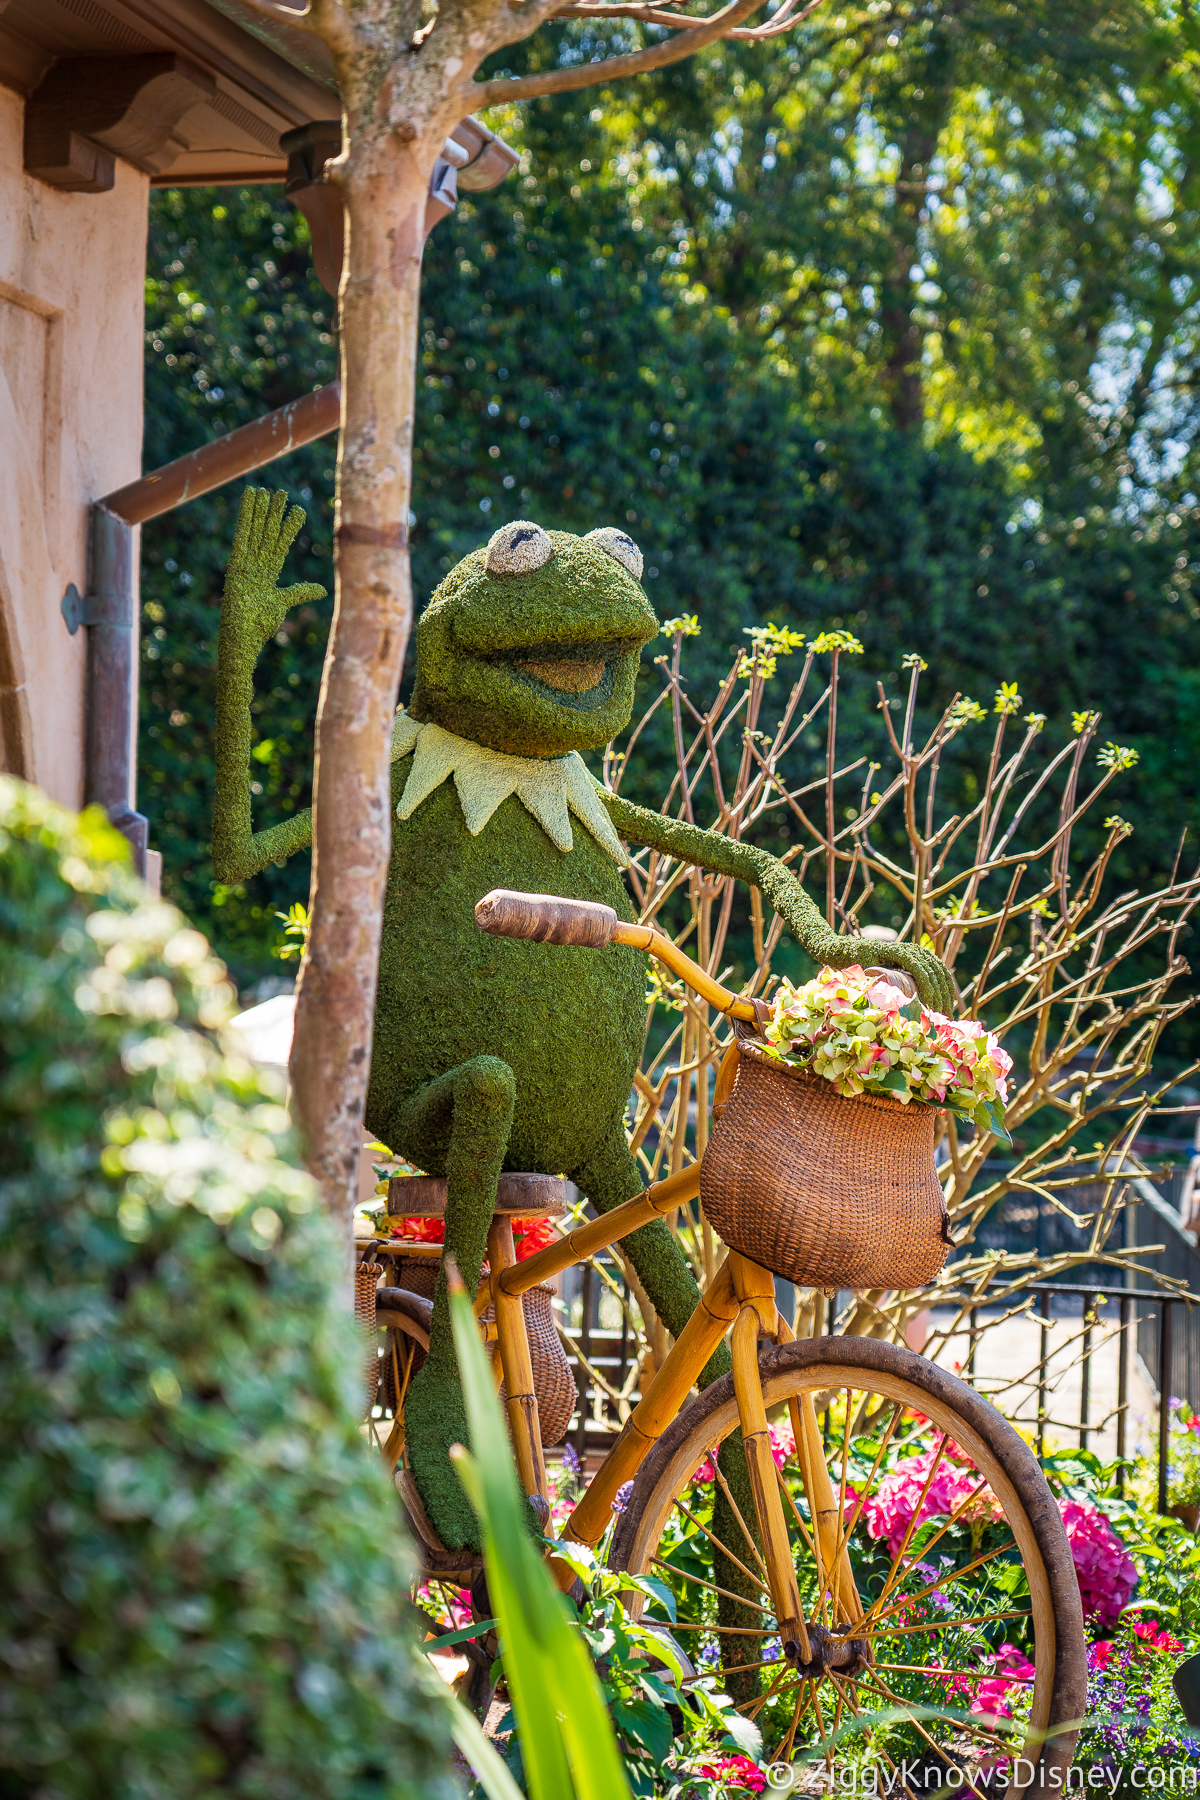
[(566, 1736), (456, 1637), (649, 1723), (990, 1114), (482, 1754), (658, 1590)]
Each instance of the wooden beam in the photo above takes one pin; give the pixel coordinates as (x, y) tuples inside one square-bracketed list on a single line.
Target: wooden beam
[(89, 110)]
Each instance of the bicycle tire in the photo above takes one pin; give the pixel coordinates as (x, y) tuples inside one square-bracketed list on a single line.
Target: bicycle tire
[(921, 1388)]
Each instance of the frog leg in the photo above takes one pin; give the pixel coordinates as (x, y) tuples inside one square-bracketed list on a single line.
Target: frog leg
[(609, 1177), (457, 1124)]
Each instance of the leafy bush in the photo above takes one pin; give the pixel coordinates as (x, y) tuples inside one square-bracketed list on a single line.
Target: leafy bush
[(200, 1579)]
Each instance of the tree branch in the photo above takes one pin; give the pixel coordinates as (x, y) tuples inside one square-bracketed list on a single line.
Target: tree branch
[(563, 81)]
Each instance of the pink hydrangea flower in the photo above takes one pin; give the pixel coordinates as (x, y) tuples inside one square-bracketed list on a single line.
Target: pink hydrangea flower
[(889, 1511), (1106, 1571), (858, 1034)]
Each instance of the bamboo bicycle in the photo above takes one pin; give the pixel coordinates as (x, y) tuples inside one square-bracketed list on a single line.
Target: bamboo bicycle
[(844, 1630)]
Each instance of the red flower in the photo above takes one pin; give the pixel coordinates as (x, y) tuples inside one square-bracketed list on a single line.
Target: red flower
[(1152, 1634), (532, 1235), (736, 1772), (420, 1230), (529, 1235)]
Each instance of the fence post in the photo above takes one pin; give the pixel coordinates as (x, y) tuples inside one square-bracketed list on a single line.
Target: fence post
[(581, 1375), (1085, 1373), (1122, 1390), (1044, 1308), (1164, 1393)]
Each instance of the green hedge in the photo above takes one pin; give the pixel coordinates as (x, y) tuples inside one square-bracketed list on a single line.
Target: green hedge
[(201, 1583)]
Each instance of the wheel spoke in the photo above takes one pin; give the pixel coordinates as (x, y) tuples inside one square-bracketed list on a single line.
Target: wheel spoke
[(686, 1575), (882, 1688), (895, 1571), (822, 1600), (759, 1581), (752, 1708), (953, 1520), (943, 1624), (935, 1587), (861, 1501), (729, 1630), (737, 1513)]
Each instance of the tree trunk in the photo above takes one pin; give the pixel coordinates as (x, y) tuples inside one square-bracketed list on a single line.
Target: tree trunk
[(384, 178), (406, 72), (903, 336)]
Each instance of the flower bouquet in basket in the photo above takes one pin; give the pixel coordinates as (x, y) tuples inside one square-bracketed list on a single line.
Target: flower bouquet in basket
[(866, 1036), (820, 1167)]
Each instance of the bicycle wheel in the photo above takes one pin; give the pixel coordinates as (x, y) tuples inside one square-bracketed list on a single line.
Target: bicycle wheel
[(404, 1319), (963, 1608)]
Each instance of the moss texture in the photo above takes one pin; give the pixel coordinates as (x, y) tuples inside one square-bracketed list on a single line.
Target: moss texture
[(201, 1574), (479, 629), (252, 610), (489, 1053)]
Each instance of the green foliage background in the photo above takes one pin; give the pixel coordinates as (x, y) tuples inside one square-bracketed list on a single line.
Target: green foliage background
[(202, 1585), (887, 324)]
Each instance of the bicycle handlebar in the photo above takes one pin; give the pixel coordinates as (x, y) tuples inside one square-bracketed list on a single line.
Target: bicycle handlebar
[(549, 919), (546, 918)]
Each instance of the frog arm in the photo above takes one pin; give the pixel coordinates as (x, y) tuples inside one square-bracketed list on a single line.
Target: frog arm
[(252, 611), (758, 868)]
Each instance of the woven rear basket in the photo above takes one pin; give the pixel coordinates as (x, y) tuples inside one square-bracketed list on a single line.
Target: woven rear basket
[(553, 1382), (418, 1274), (366, 1280), (824, 1190)]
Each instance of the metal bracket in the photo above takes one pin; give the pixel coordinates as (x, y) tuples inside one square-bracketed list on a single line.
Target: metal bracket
[(93, 609), (74, 609)]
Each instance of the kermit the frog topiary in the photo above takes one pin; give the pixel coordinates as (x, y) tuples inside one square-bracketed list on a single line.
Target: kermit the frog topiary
[(492, 1054)]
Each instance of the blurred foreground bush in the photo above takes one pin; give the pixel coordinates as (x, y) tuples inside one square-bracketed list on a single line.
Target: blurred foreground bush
[(200, 1580)]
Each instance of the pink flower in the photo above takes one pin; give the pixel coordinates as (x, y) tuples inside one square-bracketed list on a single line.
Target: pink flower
[(889, 1511), (1009, 1669), (783, 1443), (1106, 1572), (1151, 1633), (736, 1772)]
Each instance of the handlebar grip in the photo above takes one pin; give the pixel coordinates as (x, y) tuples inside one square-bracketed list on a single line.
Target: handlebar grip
[(546, 918)]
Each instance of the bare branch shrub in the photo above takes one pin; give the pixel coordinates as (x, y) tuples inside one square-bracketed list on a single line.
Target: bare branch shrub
[(1079, 980)]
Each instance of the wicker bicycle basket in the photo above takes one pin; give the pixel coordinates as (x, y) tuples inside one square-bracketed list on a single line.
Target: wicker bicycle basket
[(824, 1190)]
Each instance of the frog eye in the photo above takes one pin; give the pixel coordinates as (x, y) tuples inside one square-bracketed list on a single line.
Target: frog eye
[(517, 549), (620, 546)]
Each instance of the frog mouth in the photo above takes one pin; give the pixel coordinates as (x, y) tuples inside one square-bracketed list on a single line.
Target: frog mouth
[(576, 675)]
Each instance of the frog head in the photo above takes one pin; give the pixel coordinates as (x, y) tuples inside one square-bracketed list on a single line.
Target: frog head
[(531, 646)]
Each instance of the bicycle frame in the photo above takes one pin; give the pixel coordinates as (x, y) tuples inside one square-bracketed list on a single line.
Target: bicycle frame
[(741, 1295)]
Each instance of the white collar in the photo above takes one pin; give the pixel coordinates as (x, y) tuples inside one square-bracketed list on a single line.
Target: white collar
[(551, 788)]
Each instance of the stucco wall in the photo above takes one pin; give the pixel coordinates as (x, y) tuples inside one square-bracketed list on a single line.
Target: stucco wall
[(71, 297)]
